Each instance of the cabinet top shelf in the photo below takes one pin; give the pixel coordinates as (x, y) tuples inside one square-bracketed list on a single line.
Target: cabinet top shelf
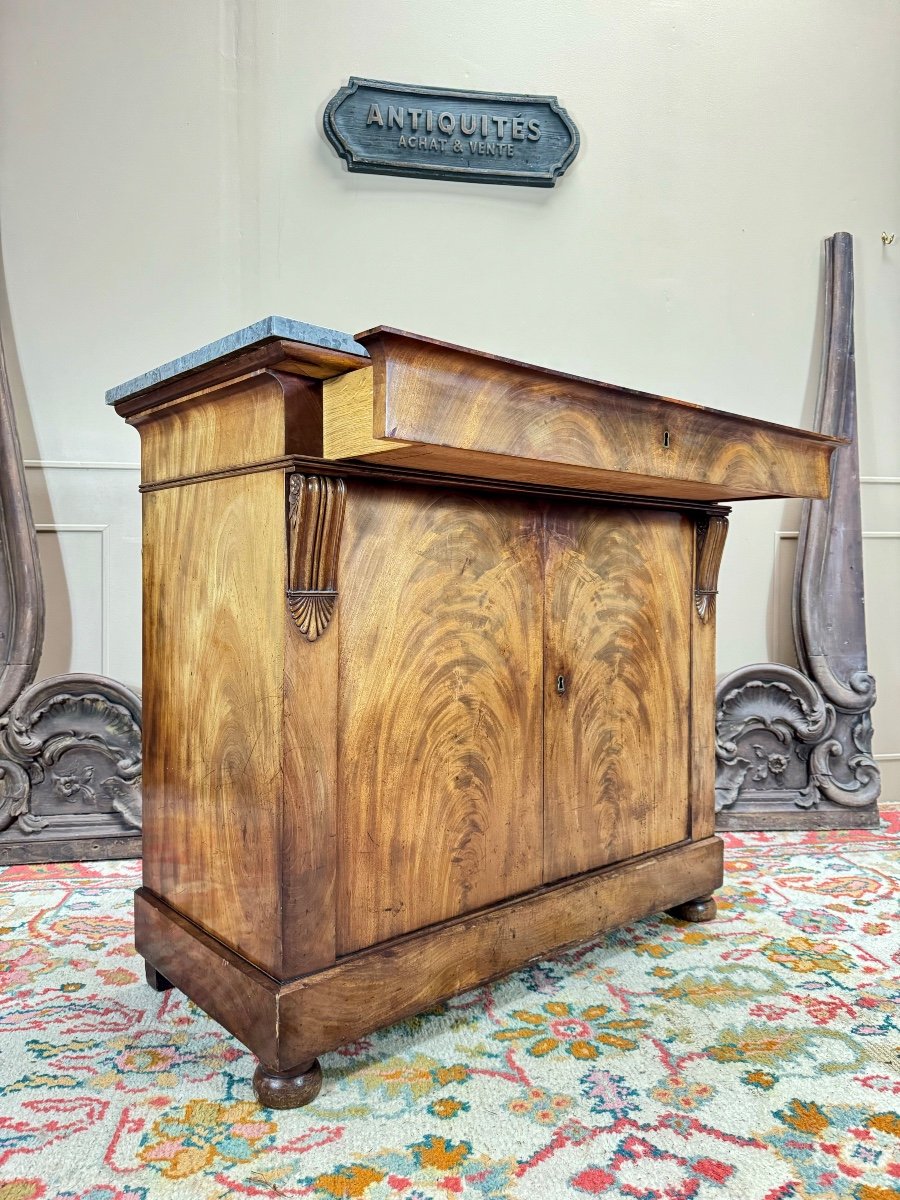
[(405, 400)]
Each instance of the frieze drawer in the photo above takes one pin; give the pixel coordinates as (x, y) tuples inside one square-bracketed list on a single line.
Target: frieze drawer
[(431, 405)]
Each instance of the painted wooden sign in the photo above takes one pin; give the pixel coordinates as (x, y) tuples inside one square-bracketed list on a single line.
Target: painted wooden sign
[(441, 133)]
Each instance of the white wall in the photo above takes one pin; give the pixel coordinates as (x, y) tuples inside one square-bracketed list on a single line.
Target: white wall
[(165, 180)]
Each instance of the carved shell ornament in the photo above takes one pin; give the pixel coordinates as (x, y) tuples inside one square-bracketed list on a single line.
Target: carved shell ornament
[(311, 611), (775, 699), (767, 696), (42, 722), (789, 705)]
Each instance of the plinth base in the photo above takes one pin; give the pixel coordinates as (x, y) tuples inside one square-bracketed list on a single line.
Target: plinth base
[(294, 1021)]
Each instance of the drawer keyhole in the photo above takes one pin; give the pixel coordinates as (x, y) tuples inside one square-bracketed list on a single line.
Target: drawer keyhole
[(561, 684)]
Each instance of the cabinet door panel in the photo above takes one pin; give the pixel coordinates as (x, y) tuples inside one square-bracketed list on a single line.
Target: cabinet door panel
[(439, 753), (617, 629)]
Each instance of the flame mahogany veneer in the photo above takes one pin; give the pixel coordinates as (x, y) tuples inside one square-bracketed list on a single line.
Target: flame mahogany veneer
[(428, 673)]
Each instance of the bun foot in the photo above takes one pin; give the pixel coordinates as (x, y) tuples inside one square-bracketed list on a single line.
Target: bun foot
[(158, 982), (287, 1089), (703, 909)]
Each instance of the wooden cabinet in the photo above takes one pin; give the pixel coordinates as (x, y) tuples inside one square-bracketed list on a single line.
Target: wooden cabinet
[(428, 671)]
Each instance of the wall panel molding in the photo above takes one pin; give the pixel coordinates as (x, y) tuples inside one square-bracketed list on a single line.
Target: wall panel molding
[(103, 532), (41, 464)]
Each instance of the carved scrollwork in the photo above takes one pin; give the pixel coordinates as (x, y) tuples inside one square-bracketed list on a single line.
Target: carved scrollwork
[(865, 786), (815, 751), (829, 607), (15, 790), (711, 534), (815, 719), (768, 699), (74, 739), (315, 519), (772, 697), (66, 712)]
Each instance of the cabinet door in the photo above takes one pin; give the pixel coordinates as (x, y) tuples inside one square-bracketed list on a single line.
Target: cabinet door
[(439, 703), (617, 635)]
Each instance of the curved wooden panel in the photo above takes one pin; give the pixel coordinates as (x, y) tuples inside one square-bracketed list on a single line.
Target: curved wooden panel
[(619, 598), (21, 589), (439, 708), (829, 603), (830, 779)]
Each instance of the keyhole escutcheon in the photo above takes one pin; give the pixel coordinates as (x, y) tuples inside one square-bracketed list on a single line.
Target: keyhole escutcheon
[(561, 684)]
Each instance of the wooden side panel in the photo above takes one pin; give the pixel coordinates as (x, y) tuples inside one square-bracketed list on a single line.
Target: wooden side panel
[(214, 629), (310, 797), (440, 707), (348, 417), (703, 727), (709, 541), (619, 598), (233, 424)]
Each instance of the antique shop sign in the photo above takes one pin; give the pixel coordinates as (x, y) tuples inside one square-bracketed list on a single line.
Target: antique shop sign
[(483, 137)]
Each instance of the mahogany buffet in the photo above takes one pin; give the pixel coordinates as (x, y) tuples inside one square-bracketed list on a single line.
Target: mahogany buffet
[(428, 671)]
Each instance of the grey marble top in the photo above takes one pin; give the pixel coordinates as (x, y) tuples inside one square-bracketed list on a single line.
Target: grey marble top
[(260, 331)]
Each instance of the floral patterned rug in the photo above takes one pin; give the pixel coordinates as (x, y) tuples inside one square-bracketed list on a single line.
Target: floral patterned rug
[(754, 1058)]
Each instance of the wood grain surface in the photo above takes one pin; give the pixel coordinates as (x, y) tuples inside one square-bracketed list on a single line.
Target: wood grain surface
[(364, 787), (214, 632), (293, 1023), (309, 822), (465, 411), (702, 716), (525, 471), (439, 707), (232, 991), (235, 423), (384, 472), (348, 417), (617, 631)]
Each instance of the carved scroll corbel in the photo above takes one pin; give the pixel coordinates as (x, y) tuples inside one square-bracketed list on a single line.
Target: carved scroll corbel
[(315, 518), (711, 534)]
